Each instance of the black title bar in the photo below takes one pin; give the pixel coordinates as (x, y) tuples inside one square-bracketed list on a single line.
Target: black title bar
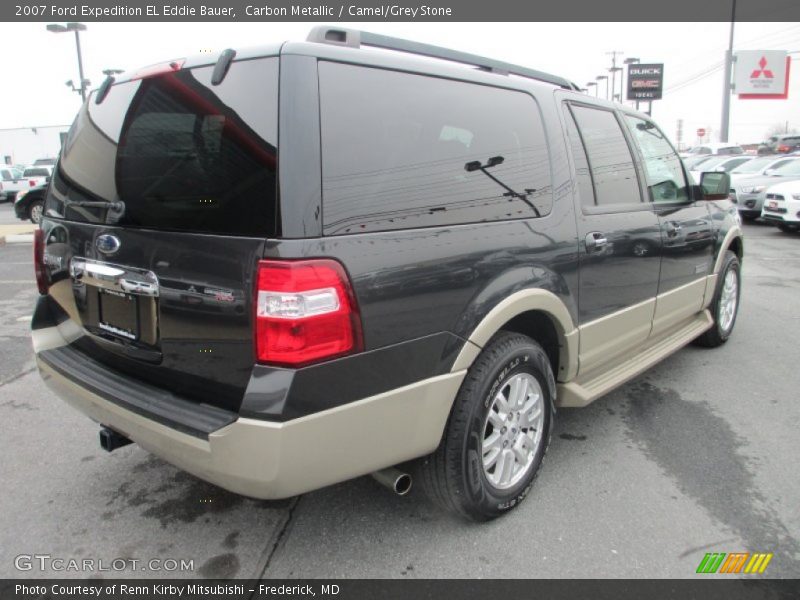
[(398, 10)]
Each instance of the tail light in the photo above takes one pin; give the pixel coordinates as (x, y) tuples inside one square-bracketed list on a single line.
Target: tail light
[(38, 261), (783, 148), (305, 312), (32, 182)]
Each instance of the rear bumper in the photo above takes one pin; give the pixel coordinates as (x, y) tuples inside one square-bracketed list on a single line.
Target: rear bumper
[(270, 460)]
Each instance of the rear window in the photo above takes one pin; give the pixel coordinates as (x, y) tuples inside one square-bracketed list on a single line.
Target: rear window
[(176, 152), (401, 151), (36, 173)]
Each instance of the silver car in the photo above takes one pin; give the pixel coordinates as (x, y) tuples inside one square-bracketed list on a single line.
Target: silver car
[(748, 193)]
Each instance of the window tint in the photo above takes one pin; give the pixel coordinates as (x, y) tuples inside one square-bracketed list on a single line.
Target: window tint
[(6, 175), (178, 153), (752, 166), (403, 151), (583, 175), (730, 165), (665, 179), (610, 160)]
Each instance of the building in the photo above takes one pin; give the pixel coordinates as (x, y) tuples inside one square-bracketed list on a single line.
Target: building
[(23, 145)]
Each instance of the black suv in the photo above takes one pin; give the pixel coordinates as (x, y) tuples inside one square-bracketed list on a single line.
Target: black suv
[(284, 267)]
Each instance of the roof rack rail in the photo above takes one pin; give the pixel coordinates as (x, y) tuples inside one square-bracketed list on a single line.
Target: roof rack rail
[(353, 38)]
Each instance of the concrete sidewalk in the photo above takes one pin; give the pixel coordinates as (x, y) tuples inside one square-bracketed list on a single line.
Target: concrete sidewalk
[(17, 233)]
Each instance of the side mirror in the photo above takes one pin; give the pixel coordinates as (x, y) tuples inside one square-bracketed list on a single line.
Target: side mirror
[(715, 186), (769, 172)]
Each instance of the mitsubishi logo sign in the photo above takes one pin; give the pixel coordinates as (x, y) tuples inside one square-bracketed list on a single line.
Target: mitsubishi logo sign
[(761, 73), (762, 70)]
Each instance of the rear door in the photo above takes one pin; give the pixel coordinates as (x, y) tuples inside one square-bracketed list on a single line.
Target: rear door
[(158, 212), (621, 241), (687, 230)]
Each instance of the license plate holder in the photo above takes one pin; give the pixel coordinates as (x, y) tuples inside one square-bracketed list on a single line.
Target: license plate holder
[(119, 314)]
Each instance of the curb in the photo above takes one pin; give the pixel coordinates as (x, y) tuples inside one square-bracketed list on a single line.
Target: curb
[(17, 238)]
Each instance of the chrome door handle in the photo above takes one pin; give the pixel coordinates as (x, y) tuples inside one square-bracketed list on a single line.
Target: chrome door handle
[(673, 228), (595, 240)]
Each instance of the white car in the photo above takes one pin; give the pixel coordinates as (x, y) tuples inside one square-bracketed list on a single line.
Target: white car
[(782, 206), (37, 175), (720, 164), (761, 165), (718, 148), (11, 182)]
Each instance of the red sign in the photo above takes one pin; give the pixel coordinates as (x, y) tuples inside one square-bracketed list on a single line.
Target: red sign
[(701, 132), (768, 75)]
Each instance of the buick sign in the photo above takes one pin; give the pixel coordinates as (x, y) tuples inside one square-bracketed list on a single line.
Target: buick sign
[(107, 244)]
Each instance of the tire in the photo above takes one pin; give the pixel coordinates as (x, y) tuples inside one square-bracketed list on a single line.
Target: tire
[(454, 476), (723, 323), (788, 228), (748, 218), (35, 212)]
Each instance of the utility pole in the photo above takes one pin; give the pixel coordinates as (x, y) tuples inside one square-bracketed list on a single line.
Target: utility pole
[(613, 70), (726, 84)]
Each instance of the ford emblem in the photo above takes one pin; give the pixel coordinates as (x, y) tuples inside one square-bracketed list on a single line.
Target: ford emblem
[(107, 244)]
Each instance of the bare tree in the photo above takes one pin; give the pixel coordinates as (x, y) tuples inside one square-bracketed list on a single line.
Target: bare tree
[(780, 128)]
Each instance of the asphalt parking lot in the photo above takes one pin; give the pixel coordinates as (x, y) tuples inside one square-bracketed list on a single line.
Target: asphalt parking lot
[(697, 455)]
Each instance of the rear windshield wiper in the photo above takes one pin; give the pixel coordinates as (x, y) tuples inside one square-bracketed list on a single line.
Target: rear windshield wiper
[(115, 206)]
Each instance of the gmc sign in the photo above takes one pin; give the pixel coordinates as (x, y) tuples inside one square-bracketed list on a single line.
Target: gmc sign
[(645, 82)]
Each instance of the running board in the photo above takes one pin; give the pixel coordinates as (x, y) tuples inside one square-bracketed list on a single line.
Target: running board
[(588, 388)]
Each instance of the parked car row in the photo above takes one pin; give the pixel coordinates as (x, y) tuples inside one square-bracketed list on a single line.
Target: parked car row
[(15, 178), (749, 191)]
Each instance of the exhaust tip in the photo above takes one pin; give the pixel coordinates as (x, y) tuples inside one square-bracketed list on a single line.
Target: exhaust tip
[(402, 485), (396, 480)]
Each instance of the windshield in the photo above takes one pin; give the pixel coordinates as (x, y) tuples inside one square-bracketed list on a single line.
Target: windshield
[(173, 151), (712, 162), (754, 166), (793, 168)]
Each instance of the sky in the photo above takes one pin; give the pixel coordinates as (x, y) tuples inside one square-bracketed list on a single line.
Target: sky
[(34, 93)]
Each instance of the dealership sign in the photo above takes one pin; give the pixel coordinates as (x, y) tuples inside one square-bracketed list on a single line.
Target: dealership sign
[(645, 82), (761, 73)]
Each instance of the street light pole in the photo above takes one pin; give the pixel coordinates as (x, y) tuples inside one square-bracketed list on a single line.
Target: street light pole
[(77, 28), (80, 64), (726, 84), (600, 78), (632, 61)]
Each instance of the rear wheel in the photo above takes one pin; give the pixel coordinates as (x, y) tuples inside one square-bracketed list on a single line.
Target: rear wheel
[(35, 212), (788, 228), (497, 433), (725, 305)]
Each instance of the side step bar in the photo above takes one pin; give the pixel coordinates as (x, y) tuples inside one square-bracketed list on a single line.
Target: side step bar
[(586, 388)]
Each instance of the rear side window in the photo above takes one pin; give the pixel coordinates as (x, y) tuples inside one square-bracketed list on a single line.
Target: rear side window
[(610, 159), (402, 151), (176, 152)]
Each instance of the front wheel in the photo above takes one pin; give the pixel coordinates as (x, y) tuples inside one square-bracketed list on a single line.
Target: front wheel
[(35, 212), (725, 305), (497, 433)]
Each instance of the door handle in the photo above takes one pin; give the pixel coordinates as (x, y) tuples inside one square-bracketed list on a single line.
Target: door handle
[(595, 241), (672, 228)]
